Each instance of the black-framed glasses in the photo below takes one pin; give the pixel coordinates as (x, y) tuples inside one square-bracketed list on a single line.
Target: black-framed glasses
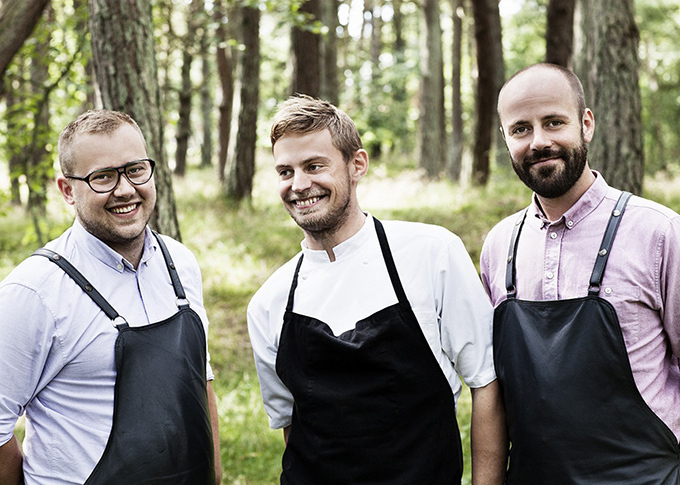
[(106, 180)]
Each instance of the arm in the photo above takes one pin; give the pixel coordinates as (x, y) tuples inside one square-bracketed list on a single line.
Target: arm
[(11, 461), (286, 433), (489, 438), (215, 422)]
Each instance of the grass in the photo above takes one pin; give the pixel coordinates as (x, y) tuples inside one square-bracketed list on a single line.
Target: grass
[(239, 247)]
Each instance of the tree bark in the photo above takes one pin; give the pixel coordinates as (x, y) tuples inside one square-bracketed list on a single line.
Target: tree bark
[(432, 154), (455, 163), (487, 36), (608, 67), (184, 120), (225, 72), (559, 33), (306, 54), (124, 57), (242, 169), (18, 19), (330, 89), (207, 100)]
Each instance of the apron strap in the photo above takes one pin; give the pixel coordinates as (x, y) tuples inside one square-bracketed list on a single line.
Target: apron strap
[(293, 286), (182, 301), (118, 321), (389, 262), (510, 271), (606, 245)]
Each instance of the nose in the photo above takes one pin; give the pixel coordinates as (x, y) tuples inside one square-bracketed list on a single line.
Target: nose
[(540, 139), (301, 181), (124, 187)]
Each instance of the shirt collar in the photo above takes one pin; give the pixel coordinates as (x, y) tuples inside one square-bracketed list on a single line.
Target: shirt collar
[(345, 248), (580, 210), (103, 253)]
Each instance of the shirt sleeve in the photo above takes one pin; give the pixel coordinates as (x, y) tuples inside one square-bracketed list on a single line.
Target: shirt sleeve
[(670, 286), (262, 328), (27, 335), (466, 317)]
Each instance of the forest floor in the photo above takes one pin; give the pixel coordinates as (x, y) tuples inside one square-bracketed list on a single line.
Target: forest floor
[(239, 247)]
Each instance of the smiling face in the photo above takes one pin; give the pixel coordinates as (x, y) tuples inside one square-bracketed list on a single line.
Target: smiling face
[(545, 133), (317, 186), (117, 218)]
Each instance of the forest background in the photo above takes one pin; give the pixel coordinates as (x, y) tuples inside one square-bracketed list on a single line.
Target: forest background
[(420, 79)]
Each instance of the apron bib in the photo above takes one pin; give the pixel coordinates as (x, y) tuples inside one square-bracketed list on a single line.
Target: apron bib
[(161, 431), (574, 413), (372, 405)]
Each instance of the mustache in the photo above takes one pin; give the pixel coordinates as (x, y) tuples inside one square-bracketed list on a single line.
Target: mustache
[(544, 154)]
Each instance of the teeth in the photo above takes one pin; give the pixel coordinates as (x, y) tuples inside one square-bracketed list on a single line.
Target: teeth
[(306, 202), (124, 210)]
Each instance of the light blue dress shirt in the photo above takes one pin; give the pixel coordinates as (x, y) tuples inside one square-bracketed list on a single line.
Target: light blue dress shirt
[(57, 347)]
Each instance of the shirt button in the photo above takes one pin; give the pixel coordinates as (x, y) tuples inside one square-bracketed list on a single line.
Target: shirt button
[(553, 235), (304, 276), (608, 290), (119, 266), (365, 261), (550, 275), (570, 223)]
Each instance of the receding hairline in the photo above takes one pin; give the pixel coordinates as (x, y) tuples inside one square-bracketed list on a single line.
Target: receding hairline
[(575, 86)]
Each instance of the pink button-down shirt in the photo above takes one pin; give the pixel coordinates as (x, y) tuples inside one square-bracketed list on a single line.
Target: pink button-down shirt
[(642, 279)]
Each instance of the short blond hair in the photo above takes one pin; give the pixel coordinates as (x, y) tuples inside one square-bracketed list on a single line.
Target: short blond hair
[(303, 114), (92, 122)]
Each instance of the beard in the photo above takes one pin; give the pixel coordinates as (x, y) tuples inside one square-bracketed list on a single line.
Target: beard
[(555, 180)]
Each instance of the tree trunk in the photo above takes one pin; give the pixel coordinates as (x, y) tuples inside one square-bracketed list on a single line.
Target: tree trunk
[(306, 54), (207, 101), (431, 142), (455, 164), (329, 43), (124, 57), (225, 71), (487, 22), (242, 169), (184, 122), (18, 18), (559, 33), (398, 26), (608, 67)]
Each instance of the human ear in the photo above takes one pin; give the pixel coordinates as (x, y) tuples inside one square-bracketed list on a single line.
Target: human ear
[(359, 164), (66, 190), (588, 124)]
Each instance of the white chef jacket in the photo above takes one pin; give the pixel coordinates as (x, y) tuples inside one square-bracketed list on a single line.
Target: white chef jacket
[(439, 279)]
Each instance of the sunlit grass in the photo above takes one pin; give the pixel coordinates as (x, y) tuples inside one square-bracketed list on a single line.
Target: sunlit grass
[(239, 247)]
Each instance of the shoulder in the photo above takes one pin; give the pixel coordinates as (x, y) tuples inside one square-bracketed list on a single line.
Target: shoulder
[(650, 211), (418, 234)]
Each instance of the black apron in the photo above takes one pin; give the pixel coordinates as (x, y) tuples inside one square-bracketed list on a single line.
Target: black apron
[(161, 431), (574, 413), (372, 406)]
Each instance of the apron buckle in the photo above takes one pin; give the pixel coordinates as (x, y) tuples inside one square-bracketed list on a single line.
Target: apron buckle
[(120, 322)]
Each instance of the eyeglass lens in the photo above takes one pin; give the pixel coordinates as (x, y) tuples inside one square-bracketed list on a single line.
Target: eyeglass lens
[(138, 172)]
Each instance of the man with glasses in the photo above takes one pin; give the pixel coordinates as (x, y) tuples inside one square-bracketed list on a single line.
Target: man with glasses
[(103, 333)]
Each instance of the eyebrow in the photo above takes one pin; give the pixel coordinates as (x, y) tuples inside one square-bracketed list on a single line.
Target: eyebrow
[(306, 161)]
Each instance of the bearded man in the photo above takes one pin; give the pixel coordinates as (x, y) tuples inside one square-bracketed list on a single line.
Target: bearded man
[(587, 361)]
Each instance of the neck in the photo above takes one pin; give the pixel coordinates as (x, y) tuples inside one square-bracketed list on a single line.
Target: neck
[(131, 251), (554, 208), (329, 239)]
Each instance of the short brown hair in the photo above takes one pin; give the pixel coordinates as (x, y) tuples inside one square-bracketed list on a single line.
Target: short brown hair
[(303, 114), (92, 122)]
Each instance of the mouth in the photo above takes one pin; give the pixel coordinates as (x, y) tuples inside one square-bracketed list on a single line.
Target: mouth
[(307, 202), (125, 209)]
